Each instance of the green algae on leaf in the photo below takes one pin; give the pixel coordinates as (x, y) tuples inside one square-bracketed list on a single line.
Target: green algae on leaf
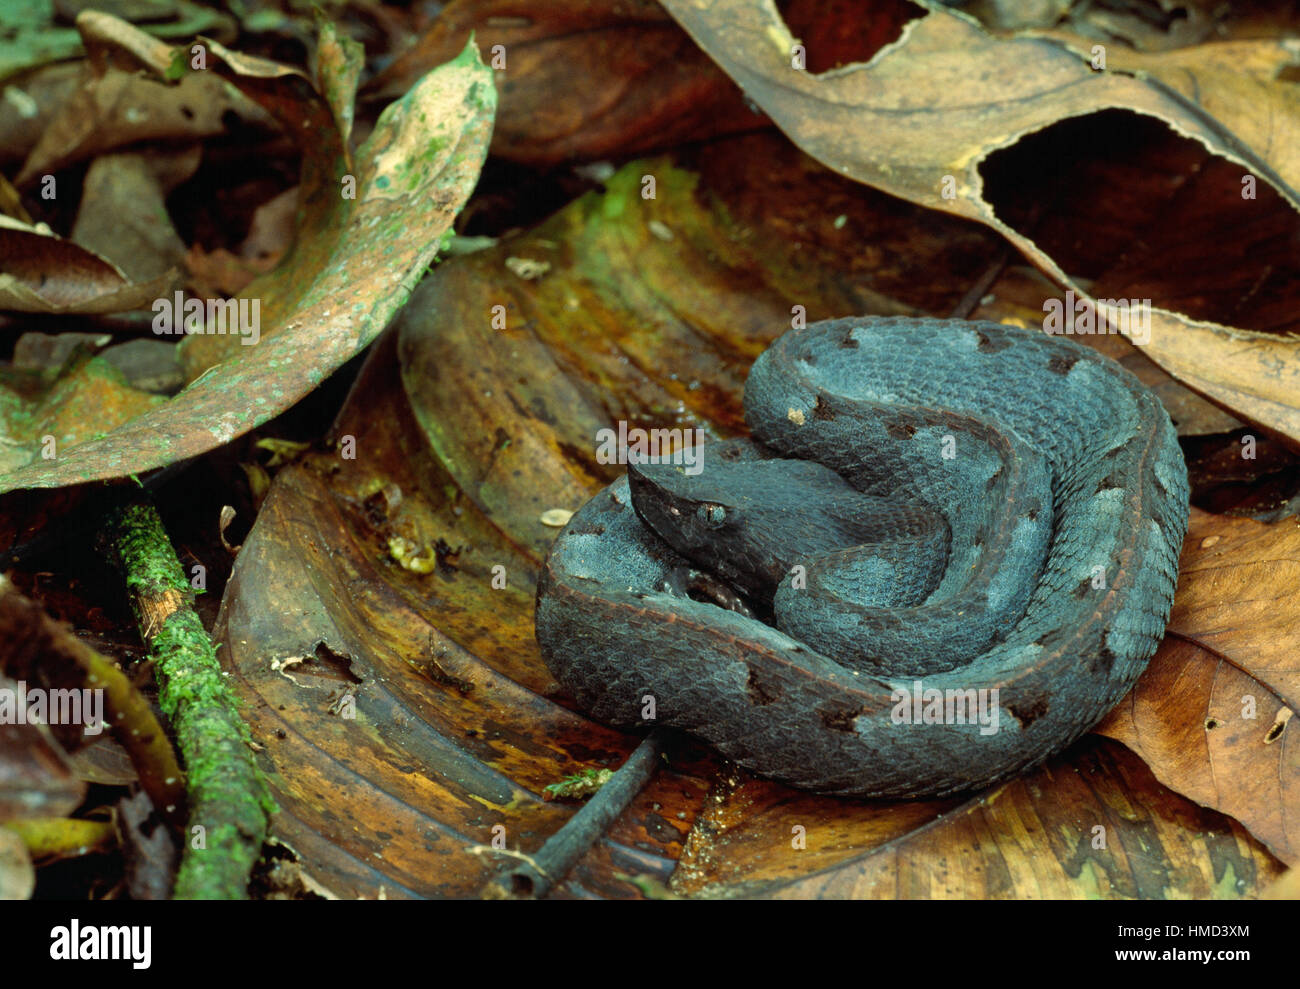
[(43, 413), (346, 276)]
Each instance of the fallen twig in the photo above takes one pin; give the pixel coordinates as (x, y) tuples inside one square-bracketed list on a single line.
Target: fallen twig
[(230, 804), (533, 876)]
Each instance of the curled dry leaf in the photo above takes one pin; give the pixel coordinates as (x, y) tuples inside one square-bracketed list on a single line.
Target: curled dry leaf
[(339, 61), (941, 99), (354, 263)]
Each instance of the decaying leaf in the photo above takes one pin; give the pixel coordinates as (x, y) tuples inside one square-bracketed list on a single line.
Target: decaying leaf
[(1091, 824), (355, 261), (35, 779), (43, 414), (1217, 735)]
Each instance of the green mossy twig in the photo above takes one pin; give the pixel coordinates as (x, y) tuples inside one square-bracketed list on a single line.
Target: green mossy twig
[(228, 796)]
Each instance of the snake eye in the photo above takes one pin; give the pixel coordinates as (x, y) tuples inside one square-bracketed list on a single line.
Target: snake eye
[(711, 515)]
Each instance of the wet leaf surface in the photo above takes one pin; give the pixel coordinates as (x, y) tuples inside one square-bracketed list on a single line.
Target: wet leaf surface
[(649, 310)]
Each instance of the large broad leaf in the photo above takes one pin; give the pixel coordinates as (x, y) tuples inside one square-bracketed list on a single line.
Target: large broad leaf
[(1212, 716), (379, 620)]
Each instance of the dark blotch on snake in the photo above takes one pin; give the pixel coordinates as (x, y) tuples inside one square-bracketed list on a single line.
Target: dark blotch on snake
[(841, 720), (1027, 712), (987, 344), (760, 694)]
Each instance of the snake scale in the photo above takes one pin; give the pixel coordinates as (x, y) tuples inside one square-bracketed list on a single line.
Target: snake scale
[(931, 514)]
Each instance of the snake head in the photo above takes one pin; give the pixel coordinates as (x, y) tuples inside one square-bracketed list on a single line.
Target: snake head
[(686, 511)]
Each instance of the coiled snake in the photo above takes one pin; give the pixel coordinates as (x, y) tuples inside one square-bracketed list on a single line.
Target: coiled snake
[(995, 526)]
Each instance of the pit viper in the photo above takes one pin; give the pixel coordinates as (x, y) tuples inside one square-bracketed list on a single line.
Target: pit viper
[(947, 551)]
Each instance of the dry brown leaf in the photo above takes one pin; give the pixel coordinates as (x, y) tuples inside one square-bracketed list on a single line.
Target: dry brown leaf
[(122, 108), (30, 103), (1211, 715), (582, 78), (123, 210), (939, 100), (1236, 596), (43, 273), (1215, 734)]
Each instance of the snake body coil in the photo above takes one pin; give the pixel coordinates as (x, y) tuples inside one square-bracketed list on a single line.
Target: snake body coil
[(1065, 499)]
